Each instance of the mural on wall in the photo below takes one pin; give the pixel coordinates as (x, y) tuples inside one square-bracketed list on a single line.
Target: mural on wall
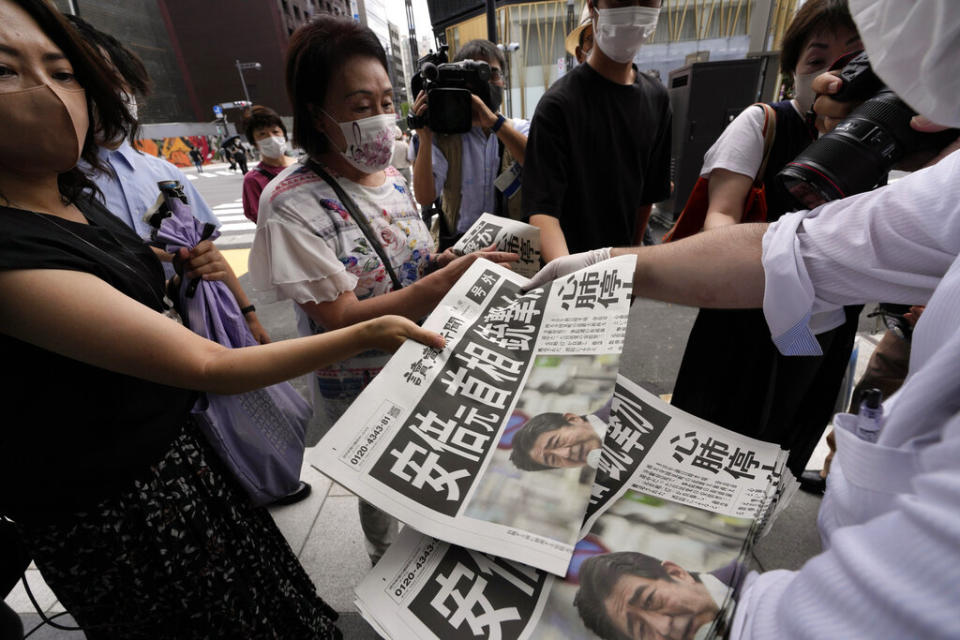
[(177, 150)]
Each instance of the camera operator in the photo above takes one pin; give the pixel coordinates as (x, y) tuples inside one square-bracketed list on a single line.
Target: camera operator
[(890, 519), (463, 167)]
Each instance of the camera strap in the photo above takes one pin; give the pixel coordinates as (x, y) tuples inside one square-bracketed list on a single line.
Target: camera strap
[(359, 218)]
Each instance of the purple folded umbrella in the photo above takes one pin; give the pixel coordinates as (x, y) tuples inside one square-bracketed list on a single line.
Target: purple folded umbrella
[(258, 434)]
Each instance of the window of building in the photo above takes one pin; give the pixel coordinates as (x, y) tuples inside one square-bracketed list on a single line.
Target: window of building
[(286, 7), (296, 13)]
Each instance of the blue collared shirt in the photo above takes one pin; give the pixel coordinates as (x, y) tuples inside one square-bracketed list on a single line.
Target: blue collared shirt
[(133, 189), (480, 168)]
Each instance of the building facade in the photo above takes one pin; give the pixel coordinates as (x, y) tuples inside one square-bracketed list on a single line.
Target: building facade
[(398, 76), (191, 48), (139, 25), (533, 33)]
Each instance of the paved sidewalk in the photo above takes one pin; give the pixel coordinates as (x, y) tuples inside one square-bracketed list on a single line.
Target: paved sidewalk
[(324, 530)]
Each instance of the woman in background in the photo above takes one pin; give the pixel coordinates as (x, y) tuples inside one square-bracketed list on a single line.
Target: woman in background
[(732, 374)]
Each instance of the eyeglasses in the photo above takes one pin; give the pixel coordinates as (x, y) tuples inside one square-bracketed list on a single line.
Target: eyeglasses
[(497, 74)]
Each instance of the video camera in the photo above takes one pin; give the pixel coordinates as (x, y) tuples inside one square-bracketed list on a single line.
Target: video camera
[(861, 150), (448, 86)]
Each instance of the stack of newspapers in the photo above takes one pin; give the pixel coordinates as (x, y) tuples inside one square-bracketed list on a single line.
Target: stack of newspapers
[(543, 494)]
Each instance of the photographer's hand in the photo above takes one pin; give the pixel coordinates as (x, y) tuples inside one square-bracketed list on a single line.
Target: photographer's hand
[(830, 112), (419, 109), (482, 116), (515, 141), (424, 187)]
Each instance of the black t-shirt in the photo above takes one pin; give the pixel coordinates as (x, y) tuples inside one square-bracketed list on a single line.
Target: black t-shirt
[(74, 433), (597, 152)]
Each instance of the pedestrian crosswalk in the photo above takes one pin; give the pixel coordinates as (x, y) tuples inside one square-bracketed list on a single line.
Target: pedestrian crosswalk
[(235, 229)]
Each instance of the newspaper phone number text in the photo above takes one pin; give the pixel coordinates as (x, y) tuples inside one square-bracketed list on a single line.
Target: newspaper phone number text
[(418, 564)]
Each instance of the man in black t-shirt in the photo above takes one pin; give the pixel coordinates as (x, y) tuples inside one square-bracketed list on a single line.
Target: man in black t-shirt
[(598, 155)]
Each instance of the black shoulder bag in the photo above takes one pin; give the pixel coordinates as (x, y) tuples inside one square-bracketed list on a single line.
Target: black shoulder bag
[(358, 217)]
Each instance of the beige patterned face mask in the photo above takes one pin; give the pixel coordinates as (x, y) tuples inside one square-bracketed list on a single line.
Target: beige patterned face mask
[(44, 128)]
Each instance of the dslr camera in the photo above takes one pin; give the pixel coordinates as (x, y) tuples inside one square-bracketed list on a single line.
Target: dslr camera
[(448, 86), (858, 154)]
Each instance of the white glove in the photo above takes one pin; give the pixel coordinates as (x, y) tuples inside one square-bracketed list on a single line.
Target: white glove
[(567, 265)]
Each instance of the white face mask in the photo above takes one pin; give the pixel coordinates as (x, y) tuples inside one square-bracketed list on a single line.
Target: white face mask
[(620, 32), (913, 47), (369, 141), (803, 90), (272, 147)]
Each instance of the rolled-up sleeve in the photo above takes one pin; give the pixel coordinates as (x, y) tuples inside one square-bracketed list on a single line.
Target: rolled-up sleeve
[(893, 244)]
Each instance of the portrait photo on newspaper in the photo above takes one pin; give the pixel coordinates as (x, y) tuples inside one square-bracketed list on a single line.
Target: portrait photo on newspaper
[(649, 569), (492, 442), (647, 566)]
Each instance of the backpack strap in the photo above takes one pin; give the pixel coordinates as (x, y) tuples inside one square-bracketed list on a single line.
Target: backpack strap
[(769, 131)]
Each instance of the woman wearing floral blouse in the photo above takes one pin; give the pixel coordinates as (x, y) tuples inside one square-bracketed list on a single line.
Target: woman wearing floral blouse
[(309, 249)]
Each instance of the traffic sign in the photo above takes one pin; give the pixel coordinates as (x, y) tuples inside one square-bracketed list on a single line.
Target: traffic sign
[(218, 111)]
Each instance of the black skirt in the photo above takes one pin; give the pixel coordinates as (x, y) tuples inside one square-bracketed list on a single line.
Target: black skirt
[(179, 554), (733, 375)]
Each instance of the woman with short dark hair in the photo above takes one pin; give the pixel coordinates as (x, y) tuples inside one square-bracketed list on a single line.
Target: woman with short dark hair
[(133, 521), (266, 131), (311, 246)]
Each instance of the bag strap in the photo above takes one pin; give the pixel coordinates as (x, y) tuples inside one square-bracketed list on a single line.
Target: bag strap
[(769, 131), (359, 218)]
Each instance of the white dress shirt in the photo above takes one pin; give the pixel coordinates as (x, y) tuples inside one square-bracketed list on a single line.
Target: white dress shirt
[(891, 517)]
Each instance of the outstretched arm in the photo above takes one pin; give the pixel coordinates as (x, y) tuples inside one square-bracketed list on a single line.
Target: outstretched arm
[(718, 268), (82, 317)]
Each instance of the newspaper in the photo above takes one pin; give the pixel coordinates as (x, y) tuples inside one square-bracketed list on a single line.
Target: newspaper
[(664, 545), (493, 442), (508, 235)]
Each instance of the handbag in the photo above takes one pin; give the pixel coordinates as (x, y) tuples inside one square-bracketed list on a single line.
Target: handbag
[(359, 218), (694, 212)]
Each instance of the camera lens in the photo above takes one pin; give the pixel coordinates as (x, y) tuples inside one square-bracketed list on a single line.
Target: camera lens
[(855, 156)]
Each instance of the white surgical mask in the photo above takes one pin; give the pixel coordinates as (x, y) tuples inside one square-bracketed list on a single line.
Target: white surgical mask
[(620, 32), (803, 90), (272, 147), (369, 141), (914, 47)]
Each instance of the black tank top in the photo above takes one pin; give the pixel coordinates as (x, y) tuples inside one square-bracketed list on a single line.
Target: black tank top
[(74, 433)]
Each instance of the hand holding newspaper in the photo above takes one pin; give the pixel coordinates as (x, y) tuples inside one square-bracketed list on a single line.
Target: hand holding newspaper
[(493, 442)]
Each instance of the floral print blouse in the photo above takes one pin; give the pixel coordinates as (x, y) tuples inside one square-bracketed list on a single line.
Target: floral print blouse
[(307, 248)]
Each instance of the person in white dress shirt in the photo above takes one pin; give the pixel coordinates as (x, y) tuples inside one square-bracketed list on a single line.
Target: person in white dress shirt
[(890, 520)]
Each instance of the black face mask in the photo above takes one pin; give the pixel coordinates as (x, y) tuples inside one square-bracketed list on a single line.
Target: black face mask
[(496, 97)]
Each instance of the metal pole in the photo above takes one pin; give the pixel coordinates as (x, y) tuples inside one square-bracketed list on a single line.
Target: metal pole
[(492, 21), (246, 94)]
